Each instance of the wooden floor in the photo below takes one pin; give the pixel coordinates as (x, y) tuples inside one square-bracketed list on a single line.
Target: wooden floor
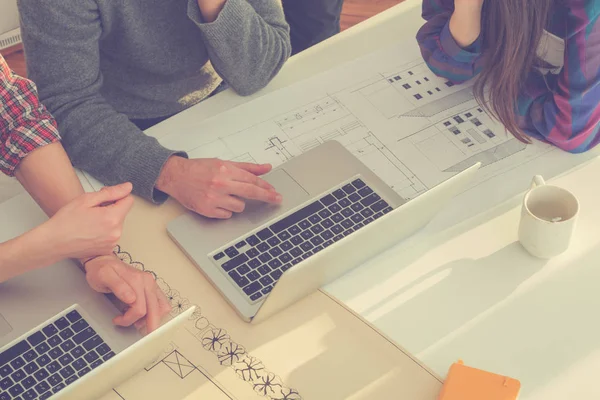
[(354, 11)]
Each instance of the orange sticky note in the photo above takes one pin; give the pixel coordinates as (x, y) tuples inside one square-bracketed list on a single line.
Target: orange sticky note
[(467, 383)]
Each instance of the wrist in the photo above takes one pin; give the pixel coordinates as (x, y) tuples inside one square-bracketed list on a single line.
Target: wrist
[(36, 249), (211, 9), (468, 5), (169, 173), (90, 262), (44, 238), (465, 23)]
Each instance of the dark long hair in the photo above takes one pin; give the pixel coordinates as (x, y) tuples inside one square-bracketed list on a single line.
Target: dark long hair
[(512, 30)]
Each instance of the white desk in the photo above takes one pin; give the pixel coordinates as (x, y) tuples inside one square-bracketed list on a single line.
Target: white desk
[(471, 292)]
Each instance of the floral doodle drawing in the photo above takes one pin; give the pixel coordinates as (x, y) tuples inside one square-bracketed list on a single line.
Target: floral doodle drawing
[(218, 342)]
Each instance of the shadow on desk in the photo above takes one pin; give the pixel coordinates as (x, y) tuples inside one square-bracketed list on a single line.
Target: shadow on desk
[(447, 298), (496, 314), (541, 335)]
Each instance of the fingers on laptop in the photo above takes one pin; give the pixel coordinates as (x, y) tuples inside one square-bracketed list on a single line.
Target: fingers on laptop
[(230, 203), (164, 308), (152, 310), (150, 306), (138, 309), (243, 172), (104, 279), (254, 192), (234, 183), (254, 169)]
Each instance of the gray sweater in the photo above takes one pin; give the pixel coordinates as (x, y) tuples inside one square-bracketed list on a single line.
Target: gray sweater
[(98, 63)]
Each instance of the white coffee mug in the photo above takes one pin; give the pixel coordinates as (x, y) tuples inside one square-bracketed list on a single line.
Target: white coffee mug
[(548, 219)]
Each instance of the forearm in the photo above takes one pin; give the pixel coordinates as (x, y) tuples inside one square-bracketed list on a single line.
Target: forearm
[(441, 52), (27, 252), (465, 23), (51, 188), (210, 9), (248, 44)]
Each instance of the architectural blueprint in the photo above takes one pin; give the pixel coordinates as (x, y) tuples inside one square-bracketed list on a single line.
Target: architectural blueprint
[(412, 128)]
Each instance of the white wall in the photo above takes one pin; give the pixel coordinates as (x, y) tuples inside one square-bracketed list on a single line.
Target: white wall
[(9, 16)]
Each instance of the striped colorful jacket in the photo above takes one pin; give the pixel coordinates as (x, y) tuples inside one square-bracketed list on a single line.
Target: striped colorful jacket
[(563, 109), (25, 124)]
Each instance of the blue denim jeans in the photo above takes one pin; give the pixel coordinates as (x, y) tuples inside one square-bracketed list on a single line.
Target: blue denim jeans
[(312, 21)]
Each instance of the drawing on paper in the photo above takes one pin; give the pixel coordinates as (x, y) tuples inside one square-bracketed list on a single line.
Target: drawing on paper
[(413, 91), (388, 108), (293, 133), (455, 143), (215, 340), (177, 363)]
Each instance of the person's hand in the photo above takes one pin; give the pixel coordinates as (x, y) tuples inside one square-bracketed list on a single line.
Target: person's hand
[(146, 303), (91, 224), (215, 188), (468, 3), (211, 9)]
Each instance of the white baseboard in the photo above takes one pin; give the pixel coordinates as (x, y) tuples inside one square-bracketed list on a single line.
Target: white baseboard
[(10, 38)]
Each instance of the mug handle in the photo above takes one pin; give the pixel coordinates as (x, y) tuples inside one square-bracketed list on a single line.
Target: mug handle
[(537, 181)]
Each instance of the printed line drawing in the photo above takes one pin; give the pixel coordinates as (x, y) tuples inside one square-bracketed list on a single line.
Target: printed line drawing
[(413, 92), (180, 365), (490, 156), (217, 341), (117, 393), (295, 132), (461, 140)]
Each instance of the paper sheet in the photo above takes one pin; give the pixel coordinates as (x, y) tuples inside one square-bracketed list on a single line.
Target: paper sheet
[(412, 128), (316, 349)]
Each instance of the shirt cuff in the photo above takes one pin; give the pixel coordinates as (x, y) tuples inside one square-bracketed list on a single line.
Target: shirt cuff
[(146, 167), (453, 49)]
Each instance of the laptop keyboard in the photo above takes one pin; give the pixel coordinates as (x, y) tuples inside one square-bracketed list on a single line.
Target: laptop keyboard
[(51, 358), (257, 262)]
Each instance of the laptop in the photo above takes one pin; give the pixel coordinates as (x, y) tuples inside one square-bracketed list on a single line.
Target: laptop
[(336, 214), (57, 339)]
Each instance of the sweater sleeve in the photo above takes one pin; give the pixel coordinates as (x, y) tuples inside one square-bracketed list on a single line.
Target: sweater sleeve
[(441, 52), (61, 40), (565, 109), (248, 43)]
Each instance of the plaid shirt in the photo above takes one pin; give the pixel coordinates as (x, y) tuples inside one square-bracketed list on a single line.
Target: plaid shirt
[(25, 124), (562, 109)]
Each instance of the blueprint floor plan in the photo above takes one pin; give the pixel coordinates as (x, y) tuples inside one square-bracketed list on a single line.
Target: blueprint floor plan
[(412, 128)]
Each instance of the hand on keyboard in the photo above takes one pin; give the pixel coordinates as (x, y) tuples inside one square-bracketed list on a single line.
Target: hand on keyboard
[(147, 303), (215, 188)]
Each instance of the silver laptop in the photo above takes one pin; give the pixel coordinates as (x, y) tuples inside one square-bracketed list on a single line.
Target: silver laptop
[(57, 339), (336, 213)]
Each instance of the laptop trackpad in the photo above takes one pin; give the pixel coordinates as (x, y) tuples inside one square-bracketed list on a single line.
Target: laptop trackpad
[(5, 328), (293, 195)]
